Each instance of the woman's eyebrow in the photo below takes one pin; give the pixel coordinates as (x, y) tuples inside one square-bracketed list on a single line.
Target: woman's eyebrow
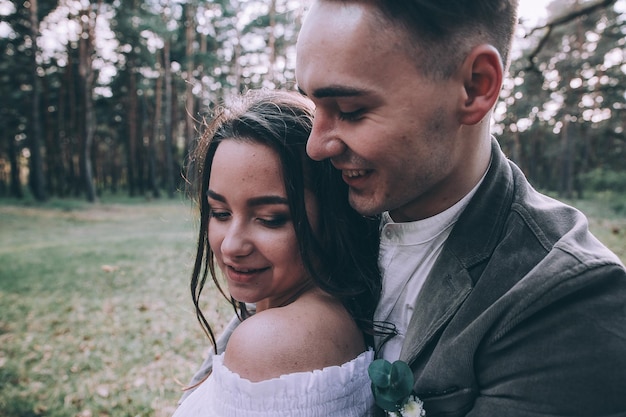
[(256, 201), (268, 200), (215, 196)]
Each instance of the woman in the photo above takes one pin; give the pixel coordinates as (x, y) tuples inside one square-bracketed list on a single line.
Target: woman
[(280, 228)]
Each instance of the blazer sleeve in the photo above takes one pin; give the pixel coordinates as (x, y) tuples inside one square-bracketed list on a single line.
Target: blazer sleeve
[(563, 357)]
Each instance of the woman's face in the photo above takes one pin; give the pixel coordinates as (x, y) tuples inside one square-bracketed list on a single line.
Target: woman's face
[(250, 227)]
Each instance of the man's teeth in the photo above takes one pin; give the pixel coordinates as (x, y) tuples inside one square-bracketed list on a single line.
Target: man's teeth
[(354, 173)]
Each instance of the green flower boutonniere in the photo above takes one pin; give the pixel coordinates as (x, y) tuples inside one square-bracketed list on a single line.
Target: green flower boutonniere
[(392, 385)]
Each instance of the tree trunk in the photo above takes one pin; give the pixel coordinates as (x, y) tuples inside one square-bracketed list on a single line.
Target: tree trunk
[(190, 32), (53, 148), (236, 65), (62, 140), (271, 43), (167, 121), (203, 52), (154, 136), (86, 75), (566, 183), (132, 118), (15, 187), (73, 129), (584, 163), (36, 180)]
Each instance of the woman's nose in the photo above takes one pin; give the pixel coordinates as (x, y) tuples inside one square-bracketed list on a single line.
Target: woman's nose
[(236, 242)]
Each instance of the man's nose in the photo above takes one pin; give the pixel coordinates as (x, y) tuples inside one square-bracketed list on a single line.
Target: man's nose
[(324, 141)]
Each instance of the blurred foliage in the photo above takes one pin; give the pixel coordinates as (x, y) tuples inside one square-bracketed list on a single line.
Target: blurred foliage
[(601, 179), (563, 111), (160, 67), (144, 121)]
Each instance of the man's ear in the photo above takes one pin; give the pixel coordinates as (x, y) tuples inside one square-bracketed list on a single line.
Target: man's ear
[(482, 74)]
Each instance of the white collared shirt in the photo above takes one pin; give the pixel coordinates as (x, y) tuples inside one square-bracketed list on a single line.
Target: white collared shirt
[(408, 252)]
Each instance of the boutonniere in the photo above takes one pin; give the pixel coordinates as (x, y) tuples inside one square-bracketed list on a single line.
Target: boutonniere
[(392, 385)]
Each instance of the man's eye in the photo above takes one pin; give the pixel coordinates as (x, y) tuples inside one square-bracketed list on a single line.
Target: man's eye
[(352, 115)]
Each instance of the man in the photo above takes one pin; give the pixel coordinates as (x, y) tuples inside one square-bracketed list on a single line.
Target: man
[(505, 304)]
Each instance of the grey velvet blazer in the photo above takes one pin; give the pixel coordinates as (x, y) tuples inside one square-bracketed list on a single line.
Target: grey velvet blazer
[(524, 312)]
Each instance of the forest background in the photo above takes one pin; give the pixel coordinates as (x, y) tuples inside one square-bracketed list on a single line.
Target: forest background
[(104, 97), (101, 101)]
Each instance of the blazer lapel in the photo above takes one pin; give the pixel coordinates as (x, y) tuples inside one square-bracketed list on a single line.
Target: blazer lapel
[(471, 243), (444, 291)]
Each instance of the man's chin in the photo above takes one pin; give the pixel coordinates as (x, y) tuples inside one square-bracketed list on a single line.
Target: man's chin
[(365, 206)]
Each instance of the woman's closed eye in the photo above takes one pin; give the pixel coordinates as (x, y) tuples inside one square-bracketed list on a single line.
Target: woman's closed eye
[(219, 215), (274, 222)]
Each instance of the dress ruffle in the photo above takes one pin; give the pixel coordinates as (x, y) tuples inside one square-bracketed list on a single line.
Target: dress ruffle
[(333, 391)]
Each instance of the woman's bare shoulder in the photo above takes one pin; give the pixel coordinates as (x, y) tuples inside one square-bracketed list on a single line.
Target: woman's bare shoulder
[(311, 333)]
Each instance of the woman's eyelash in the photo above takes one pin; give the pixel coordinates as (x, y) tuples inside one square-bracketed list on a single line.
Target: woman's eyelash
[(275, 221), (218, 215), (272, 221)]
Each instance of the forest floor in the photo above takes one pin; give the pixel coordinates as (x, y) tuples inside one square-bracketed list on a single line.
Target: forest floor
[(95, 314), (96, 319)]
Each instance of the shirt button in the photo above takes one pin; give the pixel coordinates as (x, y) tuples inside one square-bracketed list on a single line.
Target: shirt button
[(388, 234)]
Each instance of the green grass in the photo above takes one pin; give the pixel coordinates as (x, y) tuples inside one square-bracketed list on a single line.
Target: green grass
[(607, 219), (95, 313)]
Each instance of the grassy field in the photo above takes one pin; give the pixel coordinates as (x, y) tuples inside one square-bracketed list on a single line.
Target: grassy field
[(95, 313), (607, 220)]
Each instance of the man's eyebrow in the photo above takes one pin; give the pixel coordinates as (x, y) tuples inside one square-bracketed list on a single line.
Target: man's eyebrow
[(257, 201), (335, 91)]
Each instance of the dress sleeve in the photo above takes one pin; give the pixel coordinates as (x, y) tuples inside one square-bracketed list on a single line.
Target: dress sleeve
[(335, 391)]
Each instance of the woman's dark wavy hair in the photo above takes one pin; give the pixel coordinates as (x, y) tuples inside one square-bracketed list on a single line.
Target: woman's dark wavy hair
[(342, 255)]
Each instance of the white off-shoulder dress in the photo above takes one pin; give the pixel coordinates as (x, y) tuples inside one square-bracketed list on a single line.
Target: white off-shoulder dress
[(335, 391)]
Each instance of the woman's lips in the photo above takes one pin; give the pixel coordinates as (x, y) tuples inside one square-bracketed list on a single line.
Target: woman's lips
[(243, 275)]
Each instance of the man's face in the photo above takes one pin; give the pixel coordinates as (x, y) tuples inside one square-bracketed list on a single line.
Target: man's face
[(390, 130)]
